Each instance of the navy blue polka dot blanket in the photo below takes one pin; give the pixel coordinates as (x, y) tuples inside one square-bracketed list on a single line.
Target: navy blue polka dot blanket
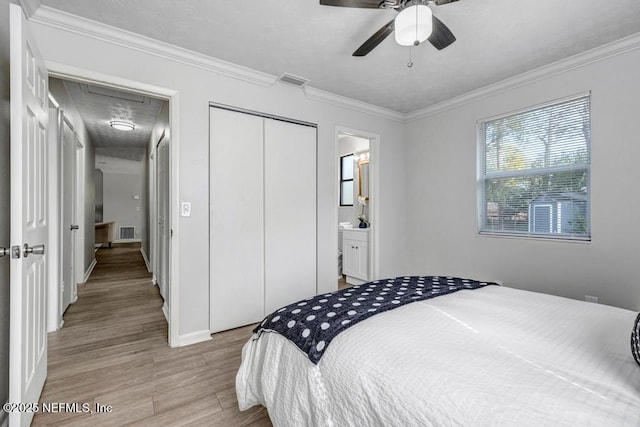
[(311, 324)]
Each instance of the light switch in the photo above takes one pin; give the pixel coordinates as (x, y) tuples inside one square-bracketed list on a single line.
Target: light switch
[(186, 209)]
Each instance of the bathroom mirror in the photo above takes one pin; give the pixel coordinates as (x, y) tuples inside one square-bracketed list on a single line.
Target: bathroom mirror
[(363, 178)]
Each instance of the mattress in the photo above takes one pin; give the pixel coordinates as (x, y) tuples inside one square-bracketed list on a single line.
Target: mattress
[(491, 356)]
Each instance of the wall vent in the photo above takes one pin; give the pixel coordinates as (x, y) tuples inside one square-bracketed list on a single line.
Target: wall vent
[(293, 80), (127, 233)]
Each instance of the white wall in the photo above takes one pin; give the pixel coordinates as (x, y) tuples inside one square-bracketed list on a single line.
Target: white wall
[(441, 172), (5, 212), (120, 203), (122, 181), (197, 86)]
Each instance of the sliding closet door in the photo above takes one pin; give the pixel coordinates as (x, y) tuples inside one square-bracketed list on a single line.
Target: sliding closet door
[(290, 213), (236, 220)]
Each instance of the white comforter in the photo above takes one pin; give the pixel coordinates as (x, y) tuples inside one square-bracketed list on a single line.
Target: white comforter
[(488, 357)]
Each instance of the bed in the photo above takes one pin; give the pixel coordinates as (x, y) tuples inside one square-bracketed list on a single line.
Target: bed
[(489, 356)]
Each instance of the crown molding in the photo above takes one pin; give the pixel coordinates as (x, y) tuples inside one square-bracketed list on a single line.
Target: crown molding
[(64, 21), (29, 7), (597, 54), (86, 27), (55, 18), (352, 104)]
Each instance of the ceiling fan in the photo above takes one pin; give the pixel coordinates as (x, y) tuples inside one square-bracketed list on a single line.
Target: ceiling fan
[(414, 23)]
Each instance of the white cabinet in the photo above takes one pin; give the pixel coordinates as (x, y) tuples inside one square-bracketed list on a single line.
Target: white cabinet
[(262, 233), (355, 255)]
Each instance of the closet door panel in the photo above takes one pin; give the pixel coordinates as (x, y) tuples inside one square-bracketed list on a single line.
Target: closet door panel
[(236, 220), (290, 213)]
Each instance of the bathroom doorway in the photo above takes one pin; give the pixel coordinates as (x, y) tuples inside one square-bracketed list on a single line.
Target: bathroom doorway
[(356, 228)]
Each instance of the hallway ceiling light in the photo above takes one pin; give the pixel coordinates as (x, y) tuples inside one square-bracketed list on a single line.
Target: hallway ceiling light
[(120, 125)]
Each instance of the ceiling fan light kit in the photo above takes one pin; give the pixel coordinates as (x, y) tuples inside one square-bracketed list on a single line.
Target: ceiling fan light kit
[(413, 25)]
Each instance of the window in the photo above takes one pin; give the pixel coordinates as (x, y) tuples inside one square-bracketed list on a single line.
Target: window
[(346, 180), (534, 172)]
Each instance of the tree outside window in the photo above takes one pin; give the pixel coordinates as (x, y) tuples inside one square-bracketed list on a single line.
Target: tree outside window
[(536, 158)]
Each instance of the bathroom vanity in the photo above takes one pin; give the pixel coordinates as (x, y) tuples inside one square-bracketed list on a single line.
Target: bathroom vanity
[(355, 255)]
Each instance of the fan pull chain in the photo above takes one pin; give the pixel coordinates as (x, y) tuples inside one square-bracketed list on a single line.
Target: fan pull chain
[(410, 63)]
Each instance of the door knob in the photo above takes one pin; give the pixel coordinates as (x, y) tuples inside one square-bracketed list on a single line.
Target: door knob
[(74, 227), (36, 250), (14, 251)]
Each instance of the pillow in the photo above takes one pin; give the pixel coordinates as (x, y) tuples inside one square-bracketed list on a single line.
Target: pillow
[(635, 340)]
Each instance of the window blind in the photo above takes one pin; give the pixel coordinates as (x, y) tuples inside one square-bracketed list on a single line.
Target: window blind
[(534, 178)]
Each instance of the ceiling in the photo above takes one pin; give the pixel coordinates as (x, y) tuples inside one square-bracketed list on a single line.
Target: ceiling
[(99, 105), (496, 39)]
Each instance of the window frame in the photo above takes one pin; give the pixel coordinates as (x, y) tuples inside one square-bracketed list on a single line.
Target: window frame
[(342, 180), (482, 175)]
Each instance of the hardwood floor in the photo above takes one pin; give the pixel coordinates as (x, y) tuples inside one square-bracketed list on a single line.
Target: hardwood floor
[(113, 351), (342, 283)]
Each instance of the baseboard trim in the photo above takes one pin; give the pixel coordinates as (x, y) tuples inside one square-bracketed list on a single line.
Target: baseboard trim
[(89, 270), (146, 260), (165, 311), (193, 338), (127, 241)]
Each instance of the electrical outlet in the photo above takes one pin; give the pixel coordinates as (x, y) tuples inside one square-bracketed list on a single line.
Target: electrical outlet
[(186, 209), (590, 298)]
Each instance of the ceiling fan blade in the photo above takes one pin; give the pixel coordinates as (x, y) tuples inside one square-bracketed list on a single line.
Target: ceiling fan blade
[(441, 36), (365, 4), (375, 39)]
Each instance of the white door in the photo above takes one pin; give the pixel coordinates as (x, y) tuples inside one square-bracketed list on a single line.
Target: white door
[(289, 213), (29, 228), (153, 215), (80, 227), (162, 274), (236, 230), (68, 215)]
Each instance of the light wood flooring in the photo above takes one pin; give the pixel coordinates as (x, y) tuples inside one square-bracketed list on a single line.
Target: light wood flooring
[(342, 283), (113, 350)]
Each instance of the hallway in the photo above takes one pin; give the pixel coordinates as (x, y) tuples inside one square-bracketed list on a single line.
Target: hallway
[(113, 351)]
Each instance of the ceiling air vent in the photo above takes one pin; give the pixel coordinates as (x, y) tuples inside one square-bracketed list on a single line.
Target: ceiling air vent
[(113, 93), (290, 79)]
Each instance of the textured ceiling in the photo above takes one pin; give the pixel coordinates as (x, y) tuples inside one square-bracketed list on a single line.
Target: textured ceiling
[(99, 105), (496, 39)]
